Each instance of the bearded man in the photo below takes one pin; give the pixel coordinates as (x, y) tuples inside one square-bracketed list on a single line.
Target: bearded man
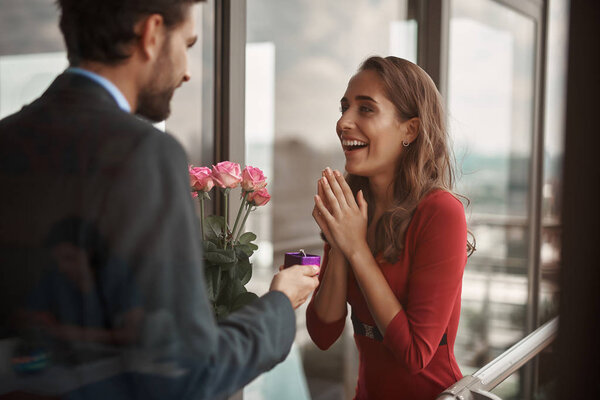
[(99, 241)]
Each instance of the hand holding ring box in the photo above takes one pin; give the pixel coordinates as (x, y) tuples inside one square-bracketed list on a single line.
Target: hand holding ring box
[(301, 258)]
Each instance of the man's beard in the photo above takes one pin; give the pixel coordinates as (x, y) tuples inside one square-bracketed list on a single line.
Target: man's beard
[(154, 100), (155, 104)]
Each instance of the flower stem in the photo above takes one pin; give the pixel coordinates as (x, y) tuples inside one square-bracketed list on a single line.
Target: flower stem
[(201, 196), (243, 222), (239, 214), (226, 212)]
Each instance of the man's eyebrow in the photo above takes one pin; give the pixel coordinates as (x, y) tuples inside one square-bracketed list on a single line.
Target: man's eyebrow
[(192, 41)]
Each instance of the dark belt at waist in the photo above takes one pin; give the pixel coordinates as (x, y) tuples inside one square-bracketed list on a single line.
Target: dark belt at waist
[(373, 332)]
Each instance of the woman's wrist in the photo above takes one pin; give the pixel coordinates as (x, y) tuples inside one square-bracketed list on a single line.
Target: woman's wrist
[(359, 255)]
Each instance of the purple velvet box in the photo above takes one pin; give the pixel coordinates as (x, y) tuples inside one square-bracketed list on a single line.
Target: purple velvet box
[(300, 257)]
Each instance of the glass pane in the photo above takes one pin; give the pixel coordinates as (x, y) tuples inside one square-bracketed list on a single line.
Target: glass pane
[(490, 104), (191, 119), (299, 57), (32, 52), (554, 131)]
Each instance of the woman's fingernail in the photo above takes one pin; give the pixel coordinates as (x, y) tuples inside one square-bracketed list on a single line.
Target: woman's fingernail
[(337, 173)]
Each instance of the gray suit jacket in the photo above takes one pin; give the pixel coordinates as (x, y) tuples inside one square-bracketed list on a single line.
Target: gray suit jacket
[(102, 288)]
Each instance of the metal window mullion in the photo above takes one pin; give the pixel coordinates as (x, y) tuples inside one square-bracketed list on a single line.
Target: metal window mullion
[(229, 96), (433, 38), (535, 202)]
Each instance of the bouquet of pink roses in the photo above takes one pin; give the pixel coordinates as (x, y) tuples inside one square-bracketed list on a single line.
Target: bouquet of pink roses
[(227, 250)]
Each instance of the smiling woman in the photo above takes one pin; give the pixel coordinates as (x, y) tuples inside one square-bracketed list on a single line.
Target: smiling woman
[(396, 236)]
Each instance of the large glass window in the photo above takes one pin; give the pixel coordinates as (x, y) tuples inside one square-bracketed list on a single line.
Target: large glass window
[(191, 120), (300, 55), (491, 81), (551, 225), (32, 54)]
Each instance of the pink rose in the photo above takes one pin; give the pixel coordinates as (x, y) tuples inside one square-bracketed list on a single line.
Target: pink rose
[(259, 197), (194, 195), (201, 178), (227, 174), (253, 179)]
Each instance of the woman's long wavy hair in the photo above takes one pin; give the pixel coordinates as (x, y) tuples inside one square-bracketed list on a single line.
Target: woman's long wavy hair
[(426, 164)]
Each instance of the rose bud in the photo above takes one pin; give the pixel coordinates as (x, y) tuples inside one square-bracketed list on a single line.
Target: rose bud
[(259, 197)]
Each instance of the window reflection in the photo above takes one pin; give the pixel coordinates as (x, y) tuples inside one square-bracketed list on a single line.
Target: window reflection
[(490, 103), (191, 119)]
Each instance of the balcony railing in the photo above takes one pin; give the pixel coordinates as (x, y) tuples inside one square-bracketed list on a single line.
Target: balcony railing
[(478, 385)]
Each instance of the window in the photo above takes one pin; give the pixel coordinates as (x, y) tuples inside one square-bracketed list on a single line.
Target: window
[(491, 99), (299, 57)]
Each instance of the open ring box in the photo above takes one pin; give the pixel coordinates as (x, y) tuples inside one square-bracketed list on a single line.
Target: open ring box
[(300, 257)]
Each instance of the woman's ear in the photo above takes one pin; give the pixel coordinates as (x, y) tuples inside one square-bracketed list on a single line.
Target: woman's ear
[(412, 129)]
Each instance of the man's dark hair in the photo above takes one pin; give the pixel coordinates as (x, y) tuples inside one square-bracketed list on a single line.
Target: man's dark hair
[(102, 30)]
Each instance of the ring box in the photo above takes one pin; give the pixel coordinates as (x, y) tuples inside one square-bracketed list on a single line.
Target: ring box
[(300, 257)]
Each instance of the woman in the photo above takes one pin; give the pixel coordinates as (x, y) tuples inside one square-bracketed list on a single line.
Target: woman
[(396, 235)]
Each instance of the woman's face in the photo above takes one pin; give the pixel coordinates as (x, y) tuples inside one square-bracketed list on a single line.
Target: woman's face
[(369, 129)]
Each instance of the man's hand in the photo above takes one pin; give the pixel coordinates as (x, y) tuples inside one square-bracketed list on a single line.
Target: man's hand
[(296, 282)]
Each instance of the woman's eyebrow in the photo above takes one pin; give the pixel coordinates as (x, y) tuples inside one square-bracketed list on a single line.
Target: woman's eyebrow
[(363, 97), (359, 97)]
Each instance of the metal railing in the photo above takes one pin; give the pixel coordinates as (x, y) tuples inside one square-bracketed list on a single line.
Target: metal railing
[(478, 385)]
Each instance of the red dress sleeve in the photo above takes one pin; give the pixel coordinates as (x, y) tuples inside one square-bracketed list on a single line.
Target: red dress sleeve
[(323, 334), (437, 241)]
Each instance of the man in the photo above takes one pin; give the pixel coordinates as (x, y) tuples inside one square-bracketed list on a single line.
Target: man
[(103, 289)]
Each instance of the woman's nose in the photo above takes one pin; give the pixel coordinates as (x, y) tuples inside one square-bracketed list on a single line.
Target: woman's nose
[(345, 122)]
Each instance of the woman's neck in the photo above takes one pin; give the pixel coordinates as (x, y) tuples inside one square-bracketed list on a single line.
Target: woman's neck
[(382, 190)]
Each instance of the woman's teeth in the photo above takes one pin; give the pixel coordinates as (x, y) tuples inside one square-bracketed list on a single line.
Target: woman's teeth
[(353, 144)]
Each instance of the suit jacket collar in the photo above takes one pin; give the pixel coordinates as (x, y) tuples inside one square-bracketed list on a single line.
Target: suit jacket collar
[(80, 88)]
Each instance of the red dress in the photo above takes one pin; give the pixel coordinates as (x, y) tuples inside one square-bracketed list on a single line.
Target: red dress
[(413, 361)]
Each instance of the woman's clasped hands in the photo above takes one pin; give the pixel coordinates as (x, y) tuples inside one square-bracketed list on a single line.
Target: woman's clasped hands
[(341, 217)]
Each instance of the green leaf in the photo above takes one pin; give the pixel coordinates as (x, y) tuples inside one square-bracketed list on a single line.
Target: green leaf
[(244, 272), (242, 300), (244, 250), (209, 246), (221, 257), (213, 277), (214, 226), (247, 237), (221, 311), (230, 290)]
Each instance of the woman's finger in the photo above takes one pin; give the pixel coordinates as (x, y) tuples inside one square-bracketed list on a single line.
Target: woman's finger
[(318, 217), (330, 198), (345, 189), (362, 204), (335, 187), (322, 194)]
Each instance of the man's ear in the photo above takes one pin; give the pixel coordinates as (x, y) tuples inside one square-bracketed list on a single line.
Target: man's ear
[(412, 129), (152, 34)]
